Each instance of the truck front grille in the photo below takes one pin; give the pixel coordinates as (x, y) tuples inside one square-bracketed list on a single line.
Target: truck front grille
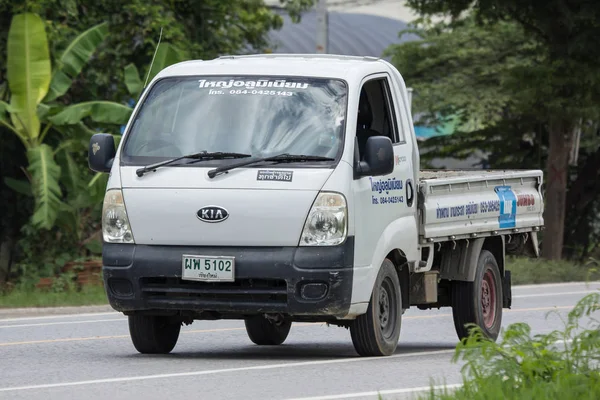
[(216, 296)]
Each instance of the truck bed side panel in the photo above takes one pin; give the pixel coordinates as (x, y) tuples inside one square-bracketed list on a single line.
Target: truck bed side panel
[(454, 204)]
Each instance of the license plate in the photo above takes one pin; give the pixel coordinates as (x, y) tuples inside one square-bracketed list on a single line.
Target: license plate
[(208, 268)]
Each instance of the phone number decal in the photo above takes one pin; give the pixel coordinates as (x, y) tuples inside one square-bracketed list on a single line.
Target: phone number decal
[(254, 92)]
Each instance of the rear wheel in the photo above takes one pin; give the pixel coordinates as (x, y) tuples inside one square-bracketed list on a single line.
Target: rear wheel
[(479, 302), (153, 334), (266, 332), (376, 332)]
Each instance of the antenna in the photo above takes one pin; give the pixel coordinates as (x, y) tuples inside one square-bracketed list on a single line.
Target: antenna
[(152, 63)]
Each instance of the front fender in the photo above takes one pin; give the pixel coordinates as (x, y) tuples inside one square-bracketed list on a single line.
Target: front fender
[(399, 234)]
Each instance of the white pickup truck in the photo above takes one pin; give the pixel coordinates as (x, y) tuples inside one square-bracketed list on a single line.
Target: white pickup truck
[(282, 188)]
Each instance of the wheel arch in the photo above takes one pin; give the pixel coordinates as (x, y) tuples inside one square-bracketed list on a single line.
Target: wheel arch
[(459, 259), (400, 261), (496, 246)]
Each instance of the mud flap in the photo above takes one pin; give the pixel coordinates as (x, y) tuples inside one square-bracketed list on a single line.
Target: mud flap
[(507, 290)]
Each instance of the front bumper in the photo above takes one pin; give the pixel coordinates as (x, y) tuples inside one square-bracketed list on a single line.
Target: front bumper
[(301, 282)]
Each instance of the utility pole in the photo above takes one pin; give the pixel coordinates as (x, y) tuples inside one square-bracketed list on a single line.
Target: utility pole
[(322, 27)]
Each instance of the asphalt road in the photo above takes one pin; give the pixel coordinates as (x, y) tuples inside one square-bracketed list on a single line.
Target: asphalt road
[(90, 356)]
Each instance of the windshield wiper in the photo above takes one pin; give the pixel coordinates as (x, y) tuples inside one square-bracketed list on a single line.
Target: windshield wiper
[(279, 158), (203, 155)]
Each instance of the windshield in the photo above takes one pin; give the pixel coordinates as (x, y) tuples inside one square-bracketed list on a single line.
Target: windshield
[(260, 116)]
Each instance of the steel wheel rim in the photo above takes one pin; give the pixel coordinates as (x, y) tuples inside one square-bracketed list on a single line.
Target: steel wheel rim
[(488, 298), (387, 304)]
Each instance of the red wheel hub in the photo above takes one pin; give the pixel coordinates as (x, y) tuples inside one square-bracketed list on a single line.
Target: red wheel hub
[(488, 298)]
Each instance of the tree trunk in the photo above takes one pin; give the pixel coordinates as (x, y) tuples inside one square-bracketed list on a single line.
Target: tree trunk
[(561, 134), (584, 189), (581, 204)]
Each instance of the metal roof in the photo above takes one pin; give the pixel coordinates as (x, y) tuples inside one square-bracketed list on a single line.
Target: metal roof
[(349, 34)]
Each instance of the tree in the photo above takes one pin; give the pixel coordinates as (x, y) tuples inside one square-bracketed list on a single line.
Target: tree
[(31, 112), (190, 29), (201, 29), (562, 84)]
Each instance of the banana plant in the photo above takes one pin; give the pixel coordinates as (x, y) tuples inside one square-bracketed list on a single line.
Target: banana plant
[(33, 112), (166, 54)]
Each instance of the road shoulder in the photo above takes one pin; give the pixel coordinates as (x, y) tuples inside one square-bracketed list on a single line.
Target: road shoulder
[(44, 311)]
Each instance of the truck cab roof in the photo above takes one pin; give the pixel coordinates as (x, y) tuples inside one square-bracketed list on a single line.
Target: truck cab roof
[(305, 65)]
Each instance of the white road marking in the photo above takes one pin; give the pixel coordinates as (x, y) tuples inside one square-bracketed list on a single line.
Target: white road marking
[(437, 315), (381, 392), (522, 296), (224, 371), (58, 316), (89, 321), (549, 285)]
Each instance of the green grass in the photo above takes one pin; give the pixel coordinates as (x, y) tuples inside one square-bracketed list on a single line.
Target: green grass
[(530, 270), (89, 295), (560, 365), (567, 387)]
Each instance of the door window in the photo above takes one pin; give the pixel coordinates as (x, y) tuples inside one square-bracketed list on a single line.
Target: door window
[(376, 115)]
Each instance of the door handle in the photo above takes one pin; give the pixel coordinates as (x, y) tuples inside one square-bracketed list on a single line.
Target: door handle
[(409, 197)]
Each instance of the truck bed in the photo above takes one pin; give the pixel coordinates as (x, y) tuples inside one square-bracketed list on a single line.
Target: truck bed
[(468, 203)]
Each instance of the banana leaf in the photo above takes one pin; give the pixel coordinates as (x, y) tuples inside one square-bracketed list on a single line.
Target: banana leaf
[(45, 174), (28, 71), (99, 111), (166, 54), (70, 174), (4, 107), (132, 80), (19, 186), (58, 86), (74, 58)]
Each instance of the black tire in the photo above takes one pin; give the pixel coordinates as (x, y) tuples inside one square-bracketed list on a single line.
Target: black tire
[(153, 334), (376, 332), (479, 302), (265, 332)]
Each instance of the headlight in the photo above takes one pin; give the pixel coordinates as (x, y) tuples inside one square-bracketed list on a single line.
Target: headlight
[(115, 224), (327, 222)]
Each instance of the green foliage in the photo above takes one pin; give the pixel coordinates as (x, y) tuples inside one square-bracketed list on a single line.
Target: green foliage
[(562, 364), (166, 55), (45, 187), (29, 77), (465, 71), (77, 238), (132, 80), (204, 29), (21, 187), (515, 98), (28, 73), (98, 111), (88, 295), (528, 271), (73, 59), (92, 49), (467, 76), (568, 32)]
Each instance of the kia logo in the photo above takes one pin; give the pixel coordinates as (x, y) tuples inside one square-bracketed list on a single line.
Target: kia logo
[(212, 214)]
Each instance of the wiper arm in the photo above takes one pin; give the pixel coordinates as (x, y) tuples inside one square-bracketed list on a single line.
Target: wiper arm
[(200, 156), (279, 158)]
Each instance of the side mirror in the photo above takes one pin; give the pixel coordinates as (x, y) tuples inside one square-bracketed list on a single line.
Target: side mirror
[(101, 152), (379, 157)]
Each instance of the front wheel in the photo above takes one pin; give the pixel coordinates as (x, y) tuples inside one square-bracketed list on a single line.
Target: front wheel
[(479, 302), (266, 332), (153, 334), (376, 332)]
